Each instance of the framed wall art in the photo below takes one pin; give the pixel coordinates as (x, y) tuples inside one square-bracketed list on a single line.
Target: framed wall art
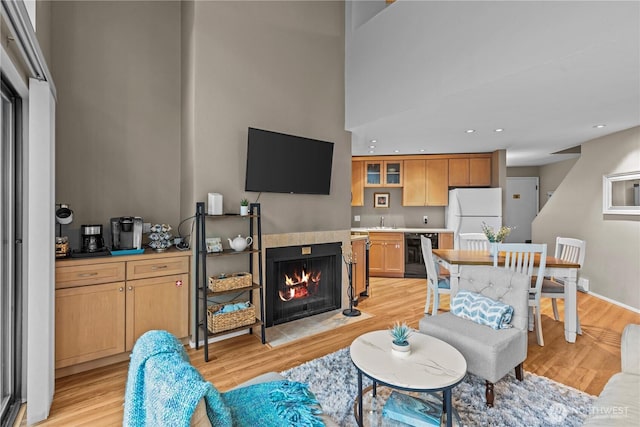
[(380, 200)]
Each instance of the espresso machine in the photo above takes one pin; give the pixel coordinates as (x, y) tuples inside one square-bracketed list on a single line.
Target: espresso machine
[(126, 233)]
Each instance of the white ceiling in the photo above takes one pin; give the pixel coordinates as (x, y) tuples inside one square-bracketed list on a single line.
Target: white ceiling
[(545, 72)]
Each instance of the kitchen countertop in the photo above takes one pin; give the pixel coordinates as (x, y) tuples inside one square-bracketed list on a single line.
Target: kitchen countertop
[(399, 230), (355, 237)]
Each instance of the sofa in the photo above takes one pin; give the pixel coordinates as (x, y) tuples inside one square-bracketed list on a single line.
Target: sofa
[(164, 389), (619, 404)]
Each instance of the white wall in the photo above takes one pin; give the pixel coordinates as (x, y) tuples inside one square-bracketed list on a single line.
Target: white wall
[(612, 262), (39, 237)]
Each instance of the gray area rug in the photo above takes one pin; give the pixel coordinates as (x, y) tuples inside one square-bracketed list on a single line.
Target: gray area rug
[(535, 401)]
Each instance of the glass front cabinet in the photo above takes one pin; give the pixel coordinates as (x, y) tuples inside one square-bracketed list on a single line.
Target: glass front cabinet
[(383, 173)]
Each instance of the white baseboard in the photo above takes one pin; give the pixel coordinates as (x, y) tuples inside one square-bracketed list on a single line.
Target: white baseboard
[(628, 307), (192, 343)]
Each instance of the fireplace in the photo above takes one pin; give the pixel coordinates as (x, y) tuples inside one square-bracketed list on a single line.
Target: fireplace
[(302, 281)]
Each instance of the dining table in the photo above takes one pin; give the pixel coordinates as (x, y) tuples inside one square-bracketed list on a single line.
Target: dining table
[(454, 259)]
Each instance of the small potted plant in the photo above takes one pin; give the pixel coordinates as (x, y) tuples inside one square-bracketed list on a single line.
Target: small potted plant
[(244, 207), (400, 332)]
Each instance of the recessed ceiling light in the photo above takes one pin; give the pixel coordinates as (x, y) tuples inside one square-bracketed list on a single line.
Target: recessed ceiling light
[(498, 130), (470, 130), (599, 126), (422, 150), (396, 151), (371, 151), (373, 141), (372, 146)]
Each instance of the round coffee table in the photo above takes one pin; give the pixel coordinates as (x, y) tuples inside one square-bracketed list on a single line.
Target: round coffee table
[(432, 366)]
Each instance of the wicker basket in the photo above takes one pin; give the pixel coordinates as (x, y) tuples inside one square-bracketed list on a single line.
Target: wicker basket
[(233, 281), (226, 321)]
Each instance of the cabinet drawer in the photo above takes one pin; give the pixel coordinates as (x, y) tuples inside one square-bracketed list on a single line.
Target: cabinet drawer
[(157, 267), (92, 274)]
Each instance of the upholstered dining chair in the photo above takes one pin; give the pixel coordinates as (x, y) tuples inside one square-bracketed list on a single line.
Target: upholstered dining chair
[(435, 283), (567, 249), (473, 242), (490, 353), (520, 257)]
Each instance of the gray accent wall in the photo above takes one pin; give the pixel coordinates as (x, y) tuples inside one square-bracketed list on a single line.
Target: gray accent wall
[(155, 99), (277, 66), (575, 210), (117, 70)]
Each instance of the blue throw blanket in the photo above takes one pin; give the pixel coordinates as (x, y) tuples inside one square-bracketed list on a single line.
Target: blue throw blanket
[(163, 390), (481, 309)]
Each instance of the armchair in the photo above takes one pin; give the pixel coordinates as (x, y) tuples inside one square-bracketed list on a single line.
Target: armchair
[(490, 353)]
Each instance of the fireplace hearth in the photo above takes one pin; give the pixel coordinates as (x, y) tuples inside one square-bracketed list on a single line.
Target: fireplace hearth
[(302, 281)]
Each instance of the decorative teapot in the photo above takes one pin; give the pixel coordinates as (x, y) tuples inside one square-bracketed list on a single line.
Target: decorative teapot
[(240, 243)]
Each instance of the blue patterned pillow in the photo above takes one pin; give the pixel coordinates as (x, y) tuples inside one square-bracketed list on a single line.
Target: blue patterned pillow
[(482, 310)]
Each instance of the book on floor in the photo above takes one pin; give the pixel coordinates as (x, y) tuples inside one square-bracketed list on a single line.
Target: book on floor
[(412, 410)]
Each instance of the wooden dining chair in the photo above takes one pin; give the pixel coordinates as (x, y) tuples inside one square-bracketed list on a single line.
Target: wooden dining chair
[(435, 283), (567, 249), (473, 242), (520, 257)]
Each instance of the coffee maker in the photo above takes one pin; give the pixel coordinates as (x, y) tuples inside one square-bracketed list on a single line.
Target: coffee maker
[(92, 240), (126, 233)]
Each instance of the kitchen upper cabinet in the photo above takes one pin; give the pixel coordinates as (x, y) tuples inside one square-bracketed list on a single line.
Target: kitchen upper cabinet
[(386, 254), (383, 173), (425, 182), (357, 183), (470, 172)]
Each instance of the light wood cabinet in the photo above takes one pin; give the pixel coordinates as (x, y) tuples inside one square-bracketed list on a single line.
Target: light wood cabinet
[(383, 173), (89, 323), (480, 172), (470, 172), (386, 254), (414, 191), (157, 303), (425, 182), (357, 183), (95, 320), (437, 182), (359, 266), (445, 240)]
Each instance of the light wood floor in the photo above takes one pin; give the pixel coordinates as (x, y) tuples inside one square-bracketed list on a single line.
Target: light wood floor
[(96, 398)]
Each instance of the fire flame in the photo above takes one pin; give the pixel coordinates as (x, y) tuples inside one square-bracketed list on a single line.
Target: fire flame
[(300, 285)]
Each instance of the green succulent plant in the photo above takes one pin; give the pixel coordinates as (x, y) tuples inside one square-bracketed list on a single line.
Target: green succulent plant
[(400, 333), (244, 202)]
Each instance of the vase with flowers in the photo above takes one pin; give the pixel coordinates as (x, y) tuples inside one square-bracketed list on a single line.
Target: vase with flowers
[(495, 237)]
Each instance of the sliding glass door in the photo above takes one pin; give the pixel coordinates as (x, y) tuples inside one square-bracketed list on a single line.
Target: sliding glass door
[(10, 257)]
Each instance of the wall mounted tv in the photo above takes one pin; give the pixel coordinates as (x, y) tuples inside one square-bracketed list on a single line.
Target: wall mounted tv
[(280, 163)]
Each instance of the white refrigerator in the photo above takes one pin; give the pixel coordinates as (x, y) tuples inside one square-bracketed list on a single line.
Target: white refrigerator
[(469, 207)]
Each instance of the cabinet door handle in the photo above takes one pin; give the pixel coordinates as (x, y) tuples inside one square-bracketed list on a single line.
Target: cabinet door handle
[(158, 267), (130, 288), (120, 289), (88, 274)]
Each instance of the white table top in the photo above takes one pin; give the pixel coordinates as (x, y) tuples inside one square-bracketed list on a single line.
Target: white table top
[(433, 364)]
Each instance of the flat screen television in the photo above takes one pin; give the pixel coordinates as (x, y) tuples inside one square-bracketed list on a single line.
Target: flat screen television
[(280, 163)]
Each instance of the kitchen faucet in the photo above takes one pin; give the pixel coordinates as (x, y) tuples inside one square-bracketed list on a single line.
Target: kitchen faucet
[(381, 221)]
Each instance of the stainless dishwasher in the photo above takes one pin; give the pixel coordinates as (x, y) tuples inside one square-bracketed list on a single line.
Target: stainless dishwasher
[(413, 260)]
